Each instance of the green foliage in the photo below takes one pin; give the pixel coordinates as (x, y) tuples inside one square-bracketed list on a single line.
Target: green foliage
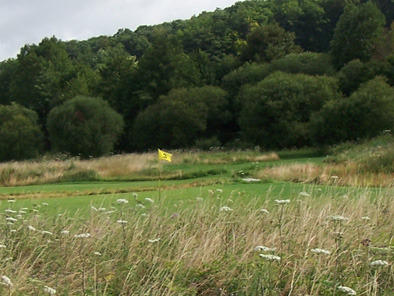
[(177, 119), (365, 114), (84, 126), (248, 73), (20, 133), (164, 66), (356, 33), (276, 112), (46, 77), (310, 63), (268, 42), (233, 48), (308, 19), (7, 72), (352, 75)]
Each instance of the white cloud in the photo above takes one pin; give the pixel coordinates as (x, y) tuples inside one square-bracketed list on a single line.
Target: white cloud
[(29, 21)]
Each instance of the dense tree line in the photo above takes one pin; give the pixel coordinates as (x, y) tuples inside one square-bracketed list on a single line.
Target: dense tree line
[(273, 73)]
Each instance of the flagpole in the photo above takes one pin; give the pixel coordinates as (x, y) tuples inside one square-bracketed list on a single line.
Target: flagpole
[(162, 155), (159, 181)]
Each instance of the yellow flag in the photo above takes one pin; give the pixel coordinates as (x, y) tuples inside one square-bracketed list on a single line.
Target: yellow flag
[(164, 155)]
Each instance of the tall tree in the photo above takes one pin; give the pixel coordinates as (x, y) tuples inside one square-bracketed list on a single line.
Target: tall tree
[(356, 33)]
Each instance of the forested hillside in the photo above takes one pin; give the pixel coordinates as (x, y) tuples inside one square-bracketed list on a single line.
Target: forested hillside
[(272, 73)]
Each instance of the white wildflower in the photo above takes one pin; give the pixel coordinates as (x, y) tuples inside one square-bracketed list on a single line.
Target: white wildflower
[(270, 257), (121, 221), (225, 209), (365, 218), (13, 230), (93, 208), (334, 177), (82, 235), (265, 211), (250, 180), (6, 280), (35, 210), (102, 209), (135, 195), (3, 246), (11, 200), (149, 199), (347, 290), (64, 232), (144, 215), (282, 201), (264, 249), (219, 190), (97, 253), (140, 206), (45, 204), (10, 219), (379, 263), (210, 191), (154, 240), (31, 228), (24, 209), (304, 194), (338, 218), (46, 232), (320, 251), (49, 290), (122, 201), (22, 212), (10, 211)]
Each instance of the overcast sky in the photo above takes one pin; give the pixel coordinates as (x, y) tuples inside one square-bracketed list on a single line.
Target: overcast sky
[(28, 21)]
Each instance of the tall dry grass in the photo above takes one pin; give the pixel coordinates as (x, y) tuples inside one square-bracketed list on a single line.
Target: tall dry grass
[(123, 166), (204, 246), (334, 174), (47, 171)]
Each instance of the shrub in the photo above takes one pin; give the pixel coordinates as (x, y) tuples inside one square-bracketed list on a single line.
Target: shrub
[(276, 112), (84, 126), (365, 114), (20, 134), (181, 117)]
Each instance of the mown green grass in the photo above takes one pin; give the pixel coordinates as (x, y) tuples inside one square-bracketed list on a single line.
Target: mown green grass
[(238, 192)]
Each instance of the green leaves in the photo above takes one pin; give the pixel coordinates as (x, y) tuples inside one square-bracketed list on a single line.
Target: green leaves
[(20, 133), (84, 126)]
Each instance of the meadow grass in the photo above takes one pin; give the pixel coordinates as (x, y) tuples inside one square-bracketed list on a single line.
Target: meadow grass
[(202, 241), (213, 230)]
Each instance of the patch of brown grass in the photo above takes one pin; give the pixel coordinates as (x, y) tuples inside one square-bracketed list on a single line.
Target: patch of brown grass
[(332, 174), (49, 171)]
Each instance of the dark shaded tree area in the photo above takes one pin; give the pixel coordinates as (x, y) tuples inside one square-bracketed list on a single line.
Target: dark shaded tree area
[(261, 72)]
